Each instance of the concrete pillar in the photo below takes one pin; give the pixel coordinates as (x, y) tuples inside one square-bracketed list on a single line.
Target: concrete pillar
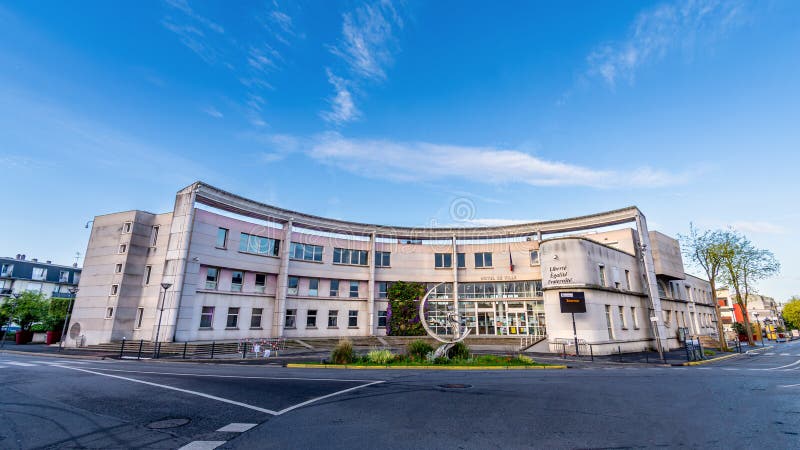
[(175, 265), (370, 331), (279, 312), (646, 254), (455, 275)]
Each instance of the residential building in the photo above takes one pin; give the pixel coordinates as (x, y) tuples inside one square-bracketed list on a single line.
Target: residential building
[(18, 274)]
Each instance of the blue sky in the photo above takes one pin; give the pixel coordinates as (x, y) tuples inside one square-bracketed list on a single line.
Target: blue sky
[(391, 112)]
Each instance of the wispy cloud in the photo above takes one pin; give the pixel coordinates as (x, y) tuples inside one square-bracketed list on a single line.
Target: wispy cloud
[(343, 109), (213, 112), (659, 30), (183, 6), (758, 227), (366, 47), (191, 28)]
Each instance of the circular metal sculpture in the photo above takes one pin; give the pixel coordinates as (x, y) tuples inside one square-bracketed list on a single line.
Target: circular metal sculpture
[(451, 322)]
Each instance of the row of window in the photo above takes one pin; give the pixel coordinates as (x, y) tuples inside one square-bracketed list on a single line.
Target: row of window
[(38, 274), (705, 320), (257, 314), (237, 281), (616, 279), (127, 228), (260, 245)]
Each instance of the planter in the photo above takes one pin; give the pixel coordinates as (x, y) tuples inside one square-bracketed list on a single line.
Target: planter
[(743, 338), (52, 337), (23, 337)]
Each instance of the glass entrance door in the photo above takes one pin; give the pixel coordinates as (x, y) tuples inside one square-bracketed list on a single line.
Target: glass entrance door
[(485, 323)]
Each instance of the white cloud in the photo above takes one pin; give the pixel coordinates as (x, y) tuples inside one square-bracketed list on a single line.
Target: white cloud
[(343, 109), (658, 30), (213, 112), (490, 222), (758, 227), (262, 58), (422, 161), (183, 6)]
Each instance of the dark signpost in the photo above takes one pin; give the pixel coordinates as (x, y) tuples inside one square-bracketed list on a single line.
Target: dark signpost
[(573, 302)]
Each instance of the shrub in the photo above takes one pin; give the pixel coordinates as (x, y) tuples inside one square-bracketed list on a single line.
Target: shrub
[(459, 350), (525, 359), (380, 356), (709, 352), (418, 350), (343, 352)]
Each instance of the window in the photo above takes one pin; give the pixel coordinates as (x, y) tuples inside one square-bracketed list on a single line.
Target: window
[(352, 319), (635, 319), (123, 248), (109, 312), (615, 275), (609, 326), (311, 318), (443, 260), (306, 252), (237, 278), (293, 282), (291, 318), (622, 318), (261, 282), (628, 280), (461, 260), (534, 257), (334, 288), (139, 317), (601, 270), (255, 317), (207, 317), (667, 317), (353, 289), (383, 259), (313, 287), (222, 238), (249, 243), (7, 270), (127, 227), (333, 318), (382, 319), (76, 277), (233, 318), (63, 276), (383, 289), (118, 268), (34, 287), (148, 270), (39, 273), (212, 275), (688, 293), (154, 236), (483, 259), (347, 256), (114, 289)]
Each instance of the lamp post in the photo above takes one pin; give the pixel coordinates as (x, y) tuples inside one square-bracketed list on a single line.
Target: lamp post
[(160, 315), (74, 292), (8, 323)]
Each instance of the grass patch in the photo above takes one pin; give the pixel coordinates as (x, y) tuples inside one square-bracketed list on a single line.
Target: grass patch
[(475, 361)]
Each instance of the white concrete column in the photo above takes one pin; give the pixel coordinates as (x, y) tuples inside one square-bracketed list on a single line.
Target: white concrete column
[(279, 311), (455, 275), (176, 263), (370, 331), (646, 253)]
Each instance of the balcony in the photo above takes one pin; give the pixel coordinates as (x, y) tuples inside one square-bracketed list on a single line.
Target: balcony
[(61, 295), (6, 291)]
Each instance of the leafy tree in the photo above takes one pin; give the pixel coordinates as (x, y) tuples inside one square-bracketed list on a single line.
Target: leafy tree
[(26, 310), (704, 249), (56, 313), (403, 315), (791, 313), (742, 266)]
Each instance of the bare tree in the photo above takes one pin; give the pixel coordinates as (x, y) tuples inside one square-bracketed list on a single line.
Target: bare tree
[(743, 265), (704, 249)]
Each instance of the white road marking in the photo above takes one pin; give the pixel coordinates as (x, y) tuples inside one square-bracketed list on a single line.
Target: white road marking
[(307, 402), (782, 367), (769, 354), (730, 368), (228, 376), (202, 445), (21, 364), (2, 367), (185, 391), (237, 427), (785, 354)]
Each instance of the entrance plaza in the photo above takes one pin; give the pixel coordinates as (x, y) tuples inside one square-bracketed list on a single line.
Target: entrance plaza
[(240, 269)]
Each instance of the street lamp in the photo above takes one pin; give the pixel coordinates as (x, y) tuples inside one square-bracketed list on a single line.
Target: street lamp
[(74, 292), (16, 296), (160, 315)]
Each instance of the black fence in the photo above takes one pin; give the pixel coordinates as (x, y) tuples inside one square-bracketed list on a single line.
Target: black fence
[(261, 348)]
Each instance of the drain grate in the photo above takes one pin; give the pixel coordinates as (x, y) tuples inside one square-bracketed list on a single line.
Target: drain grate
[(455, 386), (168, 423)]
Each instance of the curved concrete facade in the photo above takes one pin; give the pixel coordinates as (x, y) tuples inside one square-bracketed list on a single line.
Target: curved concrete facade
[(242, 269)]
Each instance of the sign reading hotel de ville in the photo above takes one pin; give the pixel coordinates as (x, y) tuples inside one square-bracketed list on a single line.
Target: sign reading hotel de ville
[(572, 302)]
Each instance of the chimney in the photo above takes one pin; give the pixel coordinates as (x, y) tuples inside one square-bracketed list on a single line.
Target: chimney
[(35, 259), (18, 255), (75, 265), (49, 262), (22, 257)]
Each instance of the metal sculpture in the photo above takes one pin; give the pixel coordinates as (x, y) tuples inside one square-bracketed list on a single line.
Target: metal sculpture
[(459, 330)]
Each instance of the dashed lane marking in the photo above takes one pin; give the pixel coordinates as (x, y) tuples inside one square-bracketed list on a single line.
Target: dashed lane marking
[(202, 445), (237, 427), (21, 364)]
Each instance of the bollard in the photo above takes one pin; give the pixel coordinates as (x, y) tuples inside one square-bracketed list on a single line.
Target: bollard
[(158, 350), (212, 348), (619, 351), (122, 348), (244, 350), (591, 351), (647, 355), (184, 349), (139, 355)]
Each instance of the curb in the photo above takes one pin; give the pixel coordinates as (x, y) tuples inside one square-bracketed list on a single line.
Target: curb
[(54, 355), (359, 367)]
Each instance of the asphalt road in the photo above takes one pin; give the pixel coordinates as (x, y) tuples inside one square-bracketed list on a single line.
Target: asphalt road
[(752, 401)]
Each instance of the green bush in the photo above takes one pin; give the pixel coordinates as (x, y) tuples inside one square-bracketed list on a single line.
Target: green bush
[(524, 359), (709, 352), (459, 350), (418, 350), (380, 356), (343, 352)]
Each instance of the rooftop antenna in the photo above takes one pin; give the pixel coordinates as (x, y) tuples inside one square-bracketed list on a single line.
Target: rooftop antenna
[(77, 257)]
